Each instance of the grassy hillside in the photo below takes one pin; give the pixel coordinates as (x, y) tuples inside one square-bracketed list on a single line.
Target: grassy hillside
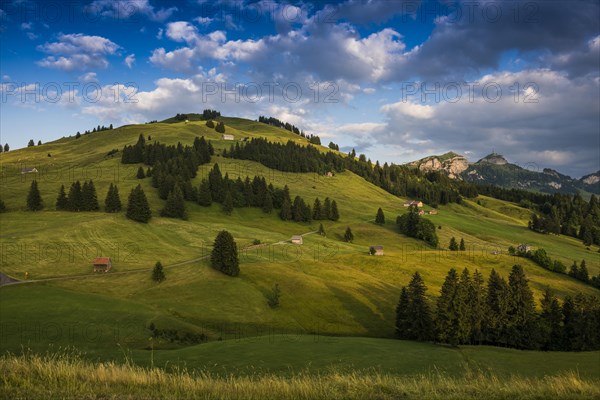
[(329, 287)]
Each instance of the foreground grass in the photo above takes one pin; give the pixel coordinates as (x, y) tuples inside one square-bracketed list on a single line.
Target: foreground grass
[(67, 376)]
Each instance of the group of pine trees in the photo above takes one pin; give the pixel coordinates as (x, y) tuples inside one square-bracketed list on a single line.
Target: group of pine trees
[(31, 143), (455, 246), (99, 128), (80, 197), (568, 215), (314, 139), (6, 148), (411, 224), (499, 313), (541, 258)]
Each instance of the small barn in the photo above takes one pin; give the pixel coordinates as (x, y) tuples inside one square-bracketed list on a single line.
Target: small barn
[(376, 250), (433, 212), (414, 203), (297, 239), (329, 174), (102, 264), (523, 248), (29, 171), (227, 137)]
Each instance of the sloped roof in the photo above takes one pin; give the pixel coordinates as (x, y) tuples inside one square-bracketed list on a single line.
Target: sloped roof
[(102, 260)]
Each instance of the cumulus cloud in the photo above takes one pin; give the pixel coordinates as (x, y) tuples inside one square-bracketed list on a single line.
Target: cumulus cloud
[(77, 52), (127, 9)]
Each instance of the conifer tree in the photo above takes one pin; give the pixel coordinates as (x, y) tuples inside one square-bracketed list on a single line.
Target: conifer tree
[(380, 217), (138, 208), (62, 202), (286, 210), (215, 180), (497, 309), (204, 194), (224, 256), (298, 209), (451, 320), (322, 230), (334, 215), (228, 203), (582, 272), (521, 310), (402, 321), (2, 205), (89, 197), (348, 236), (574, 270), (476, 307), (551, 320), (175, 206), (75, 197), (112, 203), (268, 203), (140, 173), (210, 124), (34, 198), (317, 210), (453, 245), (158, 275), (461, 246), (420, 326)]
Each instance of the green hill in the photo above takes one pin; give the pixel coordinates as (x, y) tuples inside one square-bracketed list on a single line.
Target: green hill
[(329, 287)]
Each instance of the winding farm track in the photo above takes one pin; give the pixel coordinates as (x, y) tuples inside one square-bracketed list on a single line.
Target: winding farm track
[(6, 280)]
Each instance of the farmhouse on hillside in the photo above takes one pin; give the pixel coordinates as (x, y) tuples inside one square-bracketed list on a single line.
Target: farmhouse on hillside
[(414, 203), (227, 137), (376, 250), (523, 248), (297, 239), (29, 170), (102, 264)]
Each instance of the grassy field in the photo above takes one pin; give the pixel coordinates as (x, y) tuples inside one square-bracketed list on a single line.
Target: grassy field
[(61, 376), (332, 290)]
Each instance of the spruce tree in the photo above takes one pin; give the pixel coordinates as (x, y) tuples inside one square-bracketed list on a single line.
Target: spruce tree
[(402, 321), (204, 194), (286, 210), (268, 203), (420, 326), (582, 273), (476, 308), (210, 124), (521, 310), (140, 173), (215, 180), (75, 197), (228, 203), (158, 275), (224, 256), (453, 246), (461, 246), (348, 236), (321, 230), (62, 202), (298, 209), (551, 322), (112, 203), (574, 270), (89, 197), (380, 217), (34, 198), (334, 215), (452, 323), (317, 210), (138, 208), (175, 206), (496, 319)]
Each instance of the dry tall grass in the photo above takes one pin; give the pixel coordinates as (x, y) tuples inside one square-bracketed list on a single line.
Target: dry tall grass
[(66, 376)]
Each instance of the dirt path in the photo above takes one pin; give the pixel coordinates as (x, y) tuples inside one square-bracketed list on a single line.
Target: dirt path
[(6, 280)]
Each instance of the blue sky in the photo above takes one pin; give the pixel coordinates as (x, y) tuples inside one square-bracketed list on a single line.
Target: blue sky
[(397, 80)]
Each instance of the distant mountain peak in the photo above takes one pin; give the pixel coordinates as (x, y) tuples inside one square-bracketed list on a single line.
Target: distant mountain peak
[(494, 158)]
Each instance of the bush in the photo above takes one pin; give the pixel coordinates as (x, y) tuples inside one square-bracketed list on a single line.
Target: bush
[(273, 296)]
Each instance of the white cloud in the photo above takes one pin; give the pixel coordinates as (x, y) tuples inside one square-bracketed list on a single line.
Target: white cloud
[(129, 60), (126, 9), (409, 109), (204, 21), (77, 52), (89, 77)]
